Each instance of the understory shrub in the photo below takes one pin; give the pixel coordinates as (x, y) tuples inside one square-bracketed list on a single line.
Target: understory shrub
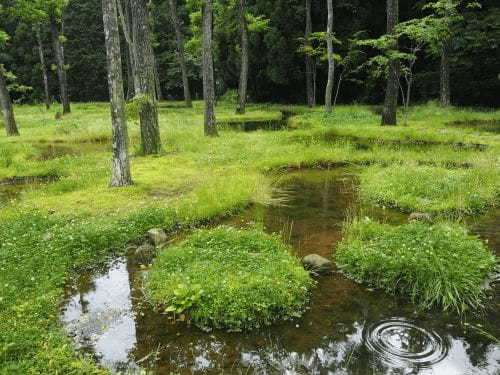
[(439, 265), (231, 279), (433, 190)]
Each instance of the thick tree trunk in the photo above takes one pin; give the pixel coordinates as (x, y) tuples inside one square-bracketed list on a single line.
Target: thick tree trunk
[(445, 92), (180, 52), (242, 88), (43, 67), (331, 62), (389, 113), (61, 69), (120, 175), (311, 102), (208, 70), (6, 105), (146, 86)]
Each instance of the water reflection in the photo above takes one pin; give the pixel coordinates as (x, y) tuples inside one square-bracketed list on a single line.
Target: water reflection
[(348, 329)]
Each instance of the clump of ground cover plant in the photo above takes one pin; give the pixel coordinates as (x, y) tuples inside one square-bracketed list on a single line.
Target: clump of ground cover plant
[(437, 265), (230, 279)]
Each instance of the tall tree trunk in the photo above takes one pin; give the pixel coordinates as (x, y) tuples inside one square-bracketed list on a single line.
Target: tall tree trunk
[(6, 105), (124, 11), (389, 113), (445, 92), (130, 74), (120, 175), (146, 86), (180, 52), (61, 69), (43, 66), (311, 102), (242, 88), (208, 70), (331, 62)]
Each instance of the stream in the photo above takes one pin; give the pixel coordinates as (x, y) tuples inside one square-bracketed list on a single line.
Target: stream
[(348, 329)]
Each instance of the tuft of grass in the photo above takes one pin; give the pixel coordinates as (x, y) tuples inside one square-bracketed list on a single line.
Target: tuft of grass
[(434, 190), (230, 279), (439, 265)]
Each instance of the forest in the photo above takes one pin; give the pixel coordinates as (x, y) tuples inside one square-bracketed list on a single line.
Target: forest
[(249, 187)]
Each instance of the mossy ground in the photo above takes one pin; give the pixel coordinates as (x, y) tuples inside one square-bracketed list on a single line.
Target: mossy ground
[(78, 221), (231, 279)]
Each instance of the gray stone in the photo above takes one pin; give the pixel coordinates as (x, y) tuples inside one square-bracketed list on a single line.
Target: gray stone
[(317, 264), (157, 236), (420, 216), (145, 253)]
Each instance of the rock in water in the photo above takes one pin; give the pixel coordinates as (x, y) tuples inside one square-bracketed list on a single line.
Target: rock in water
[(145, 253), (317, 264), (157, 236)]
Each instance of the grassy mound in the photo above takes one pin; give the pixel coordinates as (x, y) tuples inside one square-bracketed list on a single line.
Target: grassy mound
[(232, 279), (432, 189), (438, 265)]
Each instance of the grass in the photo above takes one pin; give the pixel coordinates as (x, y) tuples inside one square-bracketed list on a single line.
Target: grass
[(230, 279), (433, 190), (77, 222), (436, 266)]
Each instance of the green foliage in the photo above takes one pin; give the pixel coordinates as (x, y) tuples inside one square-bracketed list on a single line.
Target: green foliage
[(228, 278), (436, 266), (432, 189)]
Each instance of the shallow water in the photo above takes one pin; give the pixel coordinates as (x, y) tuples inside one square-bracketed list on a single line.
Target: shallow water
[(11, 188), (349, 328)]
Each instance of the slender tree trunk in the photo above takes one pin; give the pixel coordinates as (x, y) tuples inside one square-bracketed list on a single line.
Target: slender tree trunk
[(6, 105), (146, 86), (120, 175), (445, 92), (242, 88), (130, 74), (208, 70), (43, 66), (389, 113), (331, 62), (61, 69), (159, 94), (180, 52), (124, 11), (311, 102)]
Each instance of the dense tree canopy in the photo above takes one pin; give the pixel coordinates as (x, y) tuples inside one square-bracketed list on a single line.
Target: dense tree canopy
[(277, 67)]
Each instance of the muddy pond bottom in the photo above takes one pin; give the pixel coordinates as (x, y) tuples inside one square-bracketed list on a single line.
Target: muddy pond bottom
[(348, 328)]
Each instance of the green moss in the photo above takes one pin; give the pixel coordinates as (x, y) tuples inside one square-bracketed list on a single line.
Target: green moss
[(433, 190), (228, 278), (440, 265)]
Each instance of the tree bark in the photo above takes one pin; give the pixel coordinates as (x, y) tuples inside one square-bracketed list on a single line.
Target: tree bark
[(180, 52), (208, 70), (61, 69), (124, 12), (331, 62), (120, 175), (445, 92), (130, 74), (43, 66), (6, 105), (159, 94), (146, 85), (242, 88), (389, 113), (311, 102)]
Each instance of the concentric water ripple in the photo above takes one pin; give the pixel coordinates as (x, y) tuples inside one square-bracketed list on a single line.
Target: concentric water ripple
[(400, 343)]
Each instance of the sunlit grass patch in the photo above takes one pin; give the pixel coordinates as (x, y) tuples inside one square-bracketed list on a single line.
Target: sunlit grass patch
[(430, 189), (228, 278), (440, 265)]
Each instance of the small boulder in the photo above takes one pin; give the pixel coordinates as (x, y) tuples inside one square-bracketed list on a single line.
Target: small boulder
[(145, 253), (420, 216), (157, 236), (317, 264)]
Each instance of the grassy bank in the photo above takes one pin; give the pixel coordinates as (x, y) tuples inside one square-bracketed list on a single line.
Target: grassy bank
[(77, 222)]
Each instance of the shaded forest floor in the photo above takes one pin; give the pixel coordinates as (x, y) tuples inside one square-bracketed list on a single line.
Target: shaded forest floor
[(74, 221)]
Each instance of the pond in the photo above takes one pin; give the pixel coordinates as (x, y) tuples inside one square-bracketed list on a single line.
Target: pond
[(11, 188), (348, 329)]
